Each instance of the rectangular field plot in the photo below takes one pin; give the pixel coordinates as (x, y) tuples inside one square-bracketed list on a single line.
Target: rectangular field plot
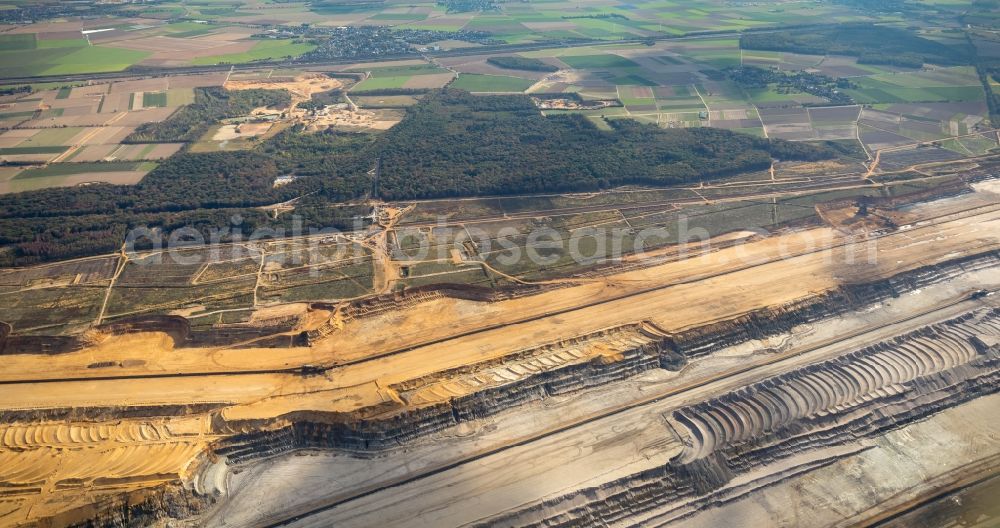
[(877, 139), (344, 280), (76, 56), (912, 87), (434, 211), (68, 174), (294, 255), (259, 50), (977, 145), (477, 83), (836, 115), (95, 271), (415, 76), (154, 99), (52, 137), (226, 270), (593, 62), (900, 159), (472, 275), (44, 307), (163, 269), (385, 101), (136, 299)]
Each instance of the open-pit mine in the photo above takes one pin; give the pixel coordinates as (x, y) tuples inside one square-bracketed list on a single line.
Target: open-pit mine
[(831, 361)]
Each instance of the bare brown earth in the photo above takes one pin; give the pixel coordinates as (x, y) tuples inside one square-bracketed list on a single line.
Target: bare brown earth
[(301, 88), (375, 359)]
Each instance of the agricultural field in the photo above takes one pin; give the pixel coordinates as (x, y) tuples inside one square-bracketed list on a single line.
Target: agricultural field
[(699, 263), (684, 84), (184, 33), (70, 174), (524, 23), (385, 101), (479, 83), (419, 76), (28, 54), (259, 51), (75, 134), (102, 46)]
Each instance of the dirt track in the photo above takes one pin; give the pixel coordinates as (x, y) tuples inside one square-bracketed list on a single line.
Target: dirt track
[(375, 353), (682, 294)]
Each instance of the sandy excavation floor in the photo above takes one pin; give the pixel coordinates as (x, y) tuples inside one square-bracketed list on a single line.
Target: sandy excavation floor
[(897, 465), (711, 287), (301, 87), (628, 442), (245, 130), (669, 297)]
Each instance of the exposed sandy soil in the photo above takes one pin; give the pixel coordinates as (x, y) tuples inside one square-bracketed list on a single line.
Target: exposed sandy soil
[(672, 296), (705, 288), (301, 88), (628, 442), (353, 119), (245, 130)]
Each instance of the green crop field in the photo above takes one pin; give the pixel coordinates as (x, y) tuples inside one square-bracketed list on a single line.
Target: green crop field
[(397, 18), (68, 169), (55, 57), (154, 99), (491, 83), (263, 50), (16, 115), (876, 91), (582, 62), (51, 137), (380, 83), (17, 42), (397, 71), (32, 150)]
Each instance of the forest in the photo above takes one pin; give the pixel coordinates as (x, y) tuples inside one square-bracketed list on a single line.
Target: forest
[(201, 190), (450, 144), (870, 43), (785, 82), (457, 144), (210, 106)]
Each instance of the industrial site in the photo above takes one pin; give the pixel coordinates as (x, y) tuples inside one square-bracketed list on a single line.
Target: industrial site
[(470, 263), (665, 388)]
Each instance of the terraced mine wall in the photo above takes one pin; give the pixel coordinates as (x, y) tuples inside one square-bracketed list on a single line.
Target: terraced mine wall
[(382, 434), (148, 507), (759, 324), (105, 413), (862, 395), (394, 427)]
